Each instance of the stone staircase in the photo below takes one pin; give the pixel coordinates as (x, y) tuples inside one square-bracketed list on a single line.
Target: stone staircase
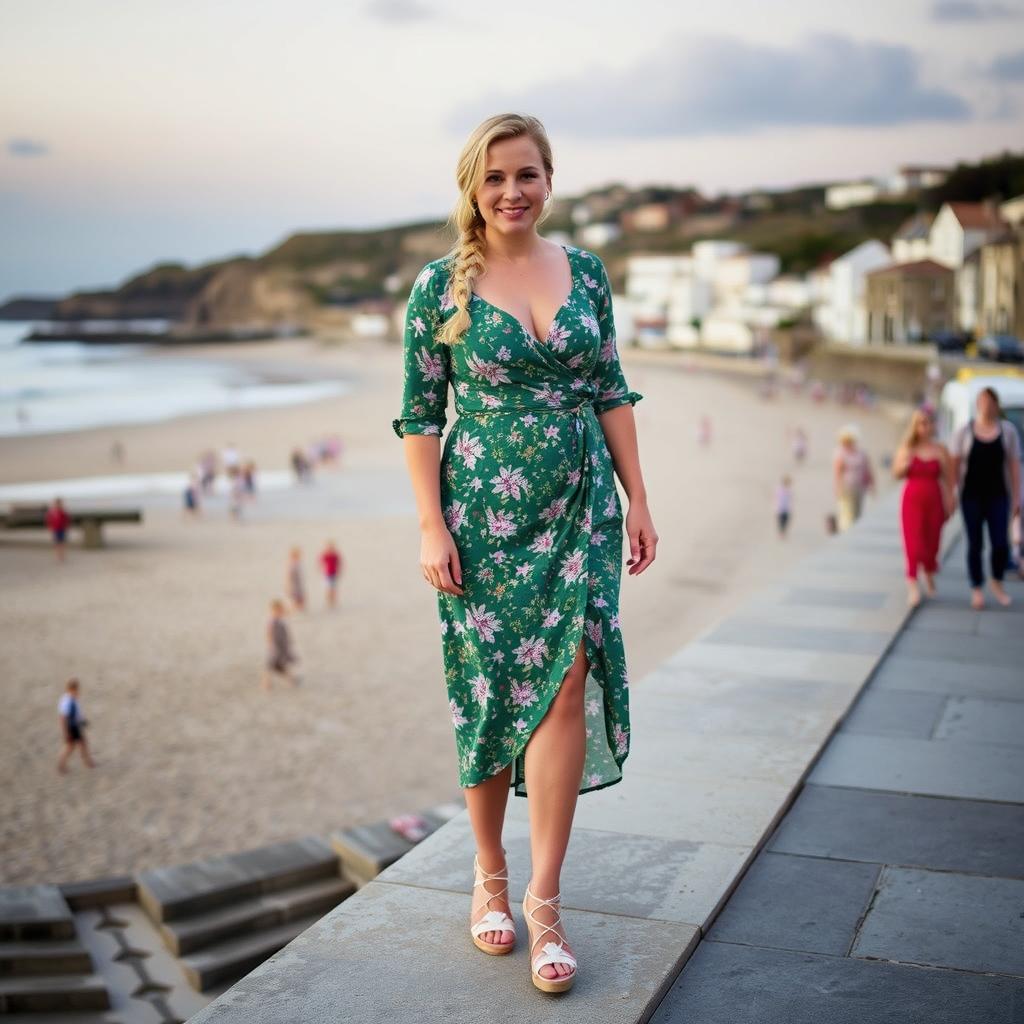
[(222, 916), (44, 966)]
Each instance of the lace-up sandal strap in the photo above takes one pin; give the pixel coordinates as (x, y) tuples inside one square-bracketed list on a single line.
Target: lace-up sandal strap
[(493, 921), (551, 949)]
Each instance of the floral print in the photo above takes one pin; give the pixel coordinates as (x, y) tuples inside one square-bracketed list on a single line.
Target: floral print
[(528, 493)]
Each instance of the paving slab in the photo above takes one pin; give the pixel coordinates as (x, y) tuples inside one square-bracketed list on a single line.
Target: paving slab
[(329, 973), (930, 616), (936, 675), (609, 872), (983, 721), (779, 662), (895, 828), (699, 810), (836, 597), (896, 713), (946, 920), (975, 652), (982, 771), (726, 983), (750, 632), (803, 903), (34, 912)]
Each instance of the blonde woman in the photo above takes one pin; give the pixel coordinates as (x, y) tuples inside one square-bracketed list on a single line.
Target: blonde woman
[(521, 521), (851, 477), (927, 501)]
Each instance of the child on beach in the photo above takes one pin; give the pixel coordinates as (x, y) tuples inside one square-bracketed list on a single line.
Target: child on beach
[(190, 496), (783, 504), (57, 522), (280, 655), (330, 559), (72, 723), (294, 579)]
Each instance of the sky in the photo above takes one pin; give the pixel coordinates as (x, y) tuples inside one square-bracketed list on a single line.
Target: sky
[(133, 132)]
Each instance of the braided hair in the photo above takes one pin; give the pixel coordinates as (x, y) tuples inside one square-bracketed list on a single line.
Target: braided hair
[(466, 257)]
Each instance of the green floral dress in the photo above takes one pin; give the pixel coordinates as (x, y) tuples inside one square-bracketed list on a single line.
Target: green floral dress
[(528, 493)]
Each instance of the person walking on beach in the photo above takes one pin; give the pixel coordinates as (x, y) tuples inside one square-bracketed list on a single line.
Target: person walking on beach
[(280, 652), (986, 466), (190, 497), (72, 724), (521, 523), (927, 500), (783, 505), (330, 561), (295, 579), (851, 476), (799, 444), (57, 522)]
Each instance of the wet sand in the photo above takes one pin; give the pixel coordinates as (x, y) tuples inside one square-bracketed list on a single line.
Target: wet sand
[(164, 627)]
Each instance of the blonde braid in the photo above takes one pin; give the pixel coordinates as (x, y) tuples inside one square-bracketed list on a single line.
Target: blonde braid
[(468, 265)]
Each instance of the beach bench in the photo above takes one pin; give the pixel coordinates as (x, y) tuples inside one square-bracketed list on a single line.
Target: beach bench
[(89, 521)]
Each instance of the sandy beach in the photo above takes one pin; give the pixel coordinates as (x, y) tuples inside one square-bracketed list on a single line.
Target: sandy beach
[(164, 627)]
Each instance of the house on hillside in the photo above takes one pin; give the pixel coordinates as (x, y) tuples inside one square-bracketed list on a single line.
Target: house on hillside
[(960, 228), (912, 241), (1012, 211), (842, 316), (909, 302), (1001, 278)]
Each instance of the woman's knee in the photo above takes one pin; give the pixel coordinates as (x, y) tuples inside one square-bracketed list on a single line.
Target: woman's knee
[(574, 684)]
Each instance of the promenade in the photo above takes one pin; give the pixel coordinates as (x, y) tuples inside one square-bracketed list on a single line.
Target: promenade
[(697, 889)]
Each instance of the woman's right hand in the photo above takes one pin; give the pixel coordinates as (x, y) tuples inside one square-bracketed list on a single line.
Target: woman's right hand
[(439, 560)]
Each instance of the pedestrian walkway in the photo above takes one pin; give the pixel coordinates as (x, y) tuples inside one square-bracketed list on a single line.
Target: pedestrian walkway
[(893, 889)]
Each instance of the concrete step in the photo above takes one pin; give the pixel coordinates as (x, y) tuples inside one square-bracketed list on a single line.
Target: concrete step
[(32, 993), (175, 892), (29, 912), (53, 957), (234, 958), (193, 933), (66, 1017)]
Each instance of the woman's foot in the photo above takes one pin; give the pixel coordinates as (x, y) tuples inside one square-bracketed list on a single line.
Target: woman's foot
[(996, 586), (977, 599), (913, 593), (929, 584), (490, 902), (544, 924)]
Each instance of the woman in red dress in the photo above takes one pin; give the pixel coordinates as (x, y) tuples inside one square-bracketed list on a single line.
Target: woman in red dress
[(927, 501)]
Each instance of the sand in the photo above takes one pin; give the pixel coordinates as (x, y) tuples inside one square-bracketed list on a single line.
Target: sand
[(164, 627)]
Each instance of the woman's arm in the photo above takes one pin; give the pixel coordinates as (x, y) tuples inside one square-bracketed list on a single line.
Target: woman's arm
[(439, 557), (900, 462), (619, 428)]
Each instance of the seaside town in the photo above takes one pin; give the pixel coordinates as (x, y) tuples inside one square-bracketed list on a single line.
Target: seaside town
[(253, 720)]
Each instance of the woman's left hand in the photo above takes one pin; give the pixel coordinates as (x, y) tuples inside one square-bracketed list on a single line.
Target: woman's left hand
[(643, 538)]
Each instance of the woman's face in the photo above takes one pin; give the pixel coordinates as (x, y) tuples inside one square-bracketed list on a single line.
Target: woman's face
[(986, 407), (925, 427), (511, 196)]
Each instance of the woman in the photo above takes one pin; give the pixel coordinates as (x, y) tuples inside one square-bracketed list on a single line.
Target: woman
[(521, 521), (927, 500), (851, 477), (986, 462)]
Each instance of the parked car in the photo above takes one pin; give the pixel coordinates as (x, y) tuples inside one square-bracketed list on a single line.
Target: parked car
[(950, 341), (1001, 348)]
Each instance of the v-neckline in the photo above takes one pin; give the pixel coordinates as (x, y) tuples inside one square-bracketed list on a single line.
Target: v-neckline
[(554, 319)]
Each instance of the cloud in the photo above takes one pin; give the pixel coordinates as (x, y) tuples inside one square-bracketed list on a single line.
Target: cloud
[(399, 10), (27, 147), (969, 10), (720, 85), (1008, 67)]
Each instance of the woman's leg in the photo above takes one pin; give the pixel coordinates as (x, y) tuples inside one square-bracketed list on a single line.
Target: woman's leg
[(486, 804), (972, 525), (555, 755), (997, 516)]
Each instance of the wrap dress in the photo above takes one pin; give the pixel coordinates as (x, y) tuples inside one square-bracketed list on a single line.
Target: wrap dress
[(528, 493)]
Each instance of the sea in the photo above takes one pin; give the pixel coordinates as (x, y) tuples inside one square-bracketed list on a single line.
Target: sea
[(68, 385)]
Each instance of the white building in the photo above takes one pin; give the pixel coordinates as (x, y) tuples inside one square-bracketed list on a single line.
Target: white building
[(1012, 211), (911, 178), (598, 235), (959, 229), (912, 242), (842, 316), (851, 193)]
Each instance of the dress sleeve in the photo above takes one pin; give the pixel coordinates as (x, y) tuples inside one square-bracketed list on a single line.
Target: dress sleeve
[(609, 380), (427, 362)]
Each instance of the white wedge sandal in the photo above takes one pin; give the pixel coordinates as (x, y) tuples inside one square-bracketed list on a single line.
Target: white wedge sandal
[(493, 920), (552, 952)]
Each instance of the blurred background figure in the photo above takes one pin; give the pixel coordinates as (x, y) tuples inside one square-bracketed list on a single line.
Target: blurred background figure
[(799, 444), (927, 500), (294, 580), (783, 504), (236, 494), (72, 723), (986, 462), (207, 470), (230, 459), (190, 497), (57, 522), (330, 561), (704, 431), (852, 477), (117, 452), (249, 478), (280, 652)]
